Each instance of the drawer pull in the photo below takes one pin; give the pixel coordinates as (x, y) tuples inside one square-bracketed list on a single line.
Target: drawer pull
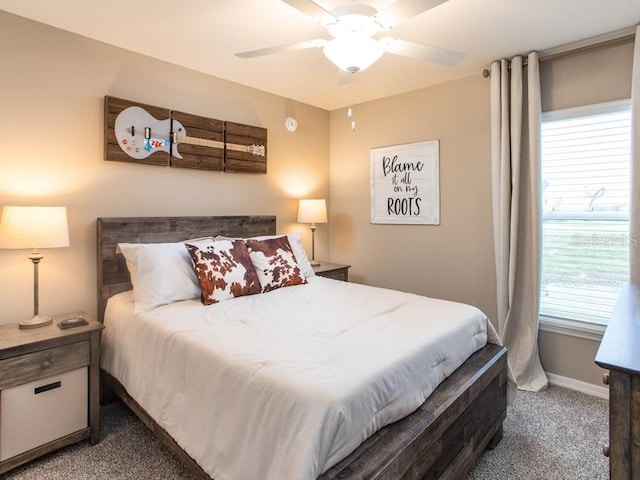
[(46, 364), (605, 379), (606, 450), (46, 388)]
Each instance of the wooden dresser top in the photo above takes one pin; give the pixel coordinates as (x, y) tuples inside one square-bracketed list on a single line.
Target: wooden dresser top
[(620, 346)]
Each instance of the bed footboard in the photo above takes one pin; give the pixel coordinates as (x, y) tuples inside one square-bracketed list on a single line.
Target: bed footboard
[(446, 435)]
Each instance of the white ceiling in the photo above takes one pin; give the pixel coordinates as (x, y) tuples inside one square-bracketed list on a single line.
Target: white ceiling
[(204, 35)]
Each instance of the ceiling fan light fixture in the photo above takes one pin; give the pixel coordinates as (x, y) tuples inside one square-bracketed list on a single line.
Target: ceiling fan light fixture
[(354, 22), (353, 53)]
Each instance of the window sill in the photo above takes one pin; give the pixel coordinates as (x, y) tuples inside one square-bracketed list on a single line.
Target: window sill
[(572, 328)]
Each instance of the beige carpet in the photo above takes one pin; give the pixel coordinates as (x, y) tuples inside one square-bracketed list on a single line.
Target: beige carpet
[(557, 434), (553, 435)]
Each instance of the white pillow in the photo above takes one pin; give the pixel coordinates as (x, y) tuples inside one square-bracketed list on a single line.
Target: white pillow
[(161, 273), (295, 240)]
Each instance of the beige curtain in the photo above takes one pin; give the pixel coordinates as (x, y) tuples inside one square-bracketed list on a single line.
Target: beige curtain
[(515, 157), (634, 253)]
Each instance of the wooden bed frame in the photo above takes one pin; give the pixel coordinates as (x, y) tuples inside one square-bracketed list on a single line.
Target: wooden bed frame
[(442, 439)]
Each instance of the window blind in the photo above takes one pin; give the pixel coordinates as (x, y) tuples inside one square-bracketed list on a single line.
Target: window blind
[(585, 210)]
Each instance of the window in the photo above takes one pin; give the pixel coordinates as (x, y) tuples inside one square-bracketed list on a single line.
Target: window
[(585, 211)]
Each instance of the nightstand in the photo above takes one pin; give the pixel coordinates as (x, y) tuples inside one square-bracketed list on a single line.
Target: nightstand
[(49, 389), (333, 270)]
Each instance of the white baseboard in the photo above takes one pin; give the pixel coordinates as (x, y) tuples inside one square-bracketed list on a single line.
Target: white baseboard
[(578, 385)]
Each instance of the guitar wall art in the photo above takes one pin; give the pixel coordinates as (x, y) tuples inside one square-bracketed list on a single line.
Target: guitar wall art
[(147, 134)]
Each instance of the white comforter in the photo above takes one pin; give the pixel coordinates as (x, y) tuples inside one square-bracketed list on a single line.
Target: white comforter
[(285, 384)]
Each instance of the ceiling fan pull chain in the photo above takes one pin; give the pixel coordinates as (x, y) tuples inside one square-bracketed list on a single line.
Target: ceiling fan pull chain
[(352, 87)]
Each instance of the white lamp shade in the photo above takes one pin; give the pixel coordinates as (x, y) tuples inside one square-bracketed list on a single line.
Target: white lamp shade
[(353, 53), (312, 211), (33, 227)]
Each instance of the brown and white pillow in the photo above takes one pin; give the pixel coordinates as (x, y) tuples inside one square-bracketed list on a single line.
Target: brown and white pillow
[(275, 263), (295, 240), (224, 270)]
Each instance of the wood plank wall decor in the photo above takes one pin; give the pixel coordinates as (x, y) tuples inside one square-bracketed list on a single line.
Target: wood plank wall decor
[(253, 158), (202, 146), (140, 133)]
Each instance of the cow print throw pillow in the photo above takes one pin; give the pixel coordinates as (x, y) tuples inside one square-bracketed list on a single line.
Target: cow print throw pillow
[(275, 263), (224, 270)]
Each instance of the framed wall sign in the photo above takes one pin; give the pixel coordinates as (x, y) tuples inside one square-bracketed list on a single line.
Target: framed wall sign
[(405, 184)]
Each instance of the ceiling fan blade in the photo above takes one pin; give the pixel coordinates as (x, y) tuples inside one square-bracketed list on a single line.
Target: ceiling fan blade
[(317, 43), (313, 10), (403, 10), (421, 52)]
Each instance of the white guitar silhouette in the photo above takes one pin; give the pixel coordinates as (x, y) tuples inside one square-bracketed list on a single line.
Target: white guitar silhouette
[(139, 134)]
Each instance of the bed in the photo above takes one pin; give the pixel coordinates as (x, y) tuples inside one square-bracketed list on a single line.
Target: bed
[(441, 438)]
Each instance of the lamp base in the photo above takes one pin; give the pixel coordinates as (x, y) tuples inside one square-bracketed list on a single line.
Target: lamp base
[(314, 263), (35, 322)]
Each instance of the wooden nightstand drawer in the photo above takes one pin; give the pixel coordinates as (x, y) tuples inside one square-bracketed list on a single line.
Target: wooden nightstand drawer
[(52, 361), (39, 412)]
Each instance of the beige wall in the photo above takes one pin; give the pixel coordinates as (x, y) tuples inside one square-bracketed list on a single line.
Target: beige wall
[(51, 117), (588, 77), (454, 260)]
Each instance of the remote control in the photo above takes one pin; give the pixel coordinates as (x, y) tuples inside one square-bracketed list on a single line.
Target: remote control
[(72, 322)]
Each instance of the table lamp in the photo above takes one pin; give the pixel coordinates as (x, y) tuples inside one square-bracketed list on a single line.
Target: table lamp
[(312, 211), (34, 228)]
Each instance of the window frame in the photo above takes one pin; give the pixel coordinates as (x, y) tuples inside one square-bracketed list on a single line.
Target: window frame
[(557, 324)]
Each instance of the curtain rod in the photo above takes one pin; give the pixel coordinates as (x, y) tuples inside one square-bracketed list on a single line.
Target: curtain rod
[(607, 39)]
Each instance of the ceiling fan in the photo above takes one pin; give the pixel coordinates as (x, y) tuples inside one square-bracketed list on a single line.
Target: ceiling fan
[(355, 28)]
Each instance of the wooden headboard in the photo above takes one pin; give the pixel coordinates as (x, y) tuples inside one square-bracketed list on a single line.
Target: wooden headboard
[(113, 276)]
